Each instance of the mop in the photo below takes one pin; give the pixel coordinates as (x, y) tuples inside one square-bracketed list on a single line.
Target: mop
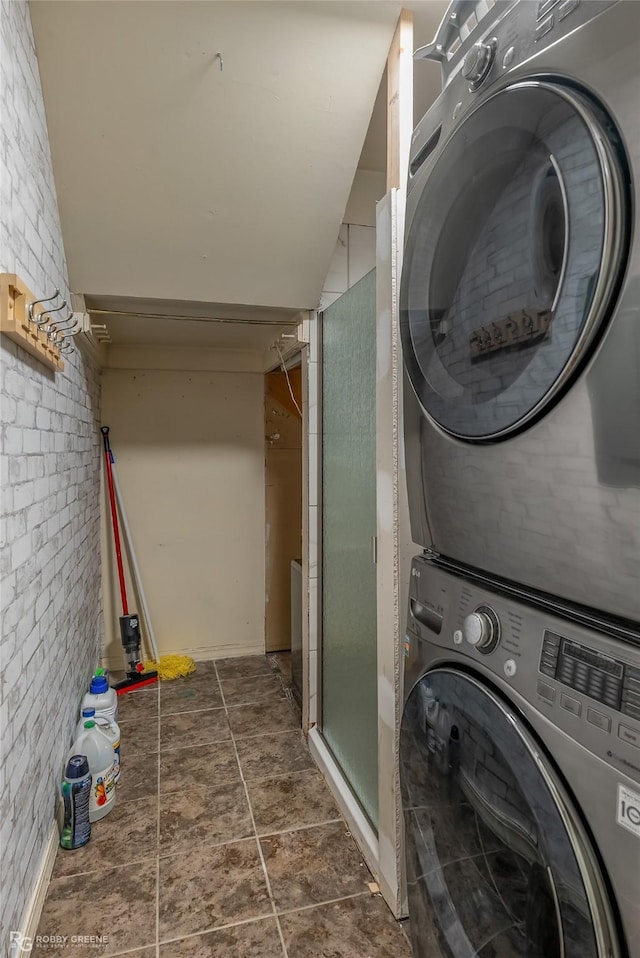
[(164, 667)]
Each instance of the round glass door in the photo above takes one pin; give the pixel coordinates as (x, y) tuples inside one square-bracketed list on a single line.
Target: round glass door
[(513, 257), (498, 865)]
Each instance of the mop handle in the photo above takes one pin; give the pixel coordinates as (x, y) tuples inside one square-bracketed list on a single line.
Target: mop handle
[(114, 518), (128, 543)]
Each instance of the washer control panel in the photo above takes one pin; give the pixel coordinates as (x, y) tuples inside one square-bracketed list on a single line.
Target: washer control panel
[(586, 670), (583, 681)]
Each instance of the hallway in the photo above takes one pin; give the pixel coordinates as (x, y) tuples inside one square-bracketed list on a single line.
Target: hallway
[(225, 841)]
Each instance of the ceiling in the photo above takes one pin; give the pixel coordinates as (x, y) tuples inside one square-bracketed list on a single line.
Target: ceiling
[(204, 150)]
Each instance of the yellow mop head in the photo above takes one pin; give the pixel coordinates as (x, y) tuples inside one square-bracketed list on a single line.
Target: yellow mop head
[(171, 666)]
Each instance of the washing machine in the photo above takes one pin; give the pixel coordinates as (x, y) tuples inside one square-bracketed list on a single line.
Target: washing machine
[(520, 778), (520, 300)]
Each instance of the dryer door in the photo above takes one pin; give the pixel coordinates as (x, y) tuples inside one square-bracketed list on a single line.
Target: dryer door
[(498, 863), (514, 254)]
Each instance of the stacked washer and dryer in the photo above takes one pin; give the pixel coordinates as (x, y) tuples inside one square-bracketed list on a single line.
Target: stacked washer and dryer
[(520, 321)]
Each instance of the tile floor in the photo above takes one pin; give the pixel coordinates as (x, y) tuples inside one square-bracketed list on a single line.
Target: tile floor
[(225, 841)]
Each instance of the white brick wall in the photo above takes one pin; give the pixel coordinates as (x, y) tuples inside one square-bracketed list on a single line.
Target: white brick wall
[(50, 552)]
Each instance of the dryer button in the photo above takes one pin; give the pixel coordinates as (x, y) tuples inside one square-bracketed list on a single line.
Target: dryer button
[(566, 8), (543, 28), (508, 58), (571, 705), (599, 719)]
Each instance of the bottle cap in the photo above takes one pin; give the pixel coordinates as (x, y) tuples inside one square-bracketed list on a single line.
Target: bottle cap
[(77, 767), (89, 723), (99, 684), (88, 713)]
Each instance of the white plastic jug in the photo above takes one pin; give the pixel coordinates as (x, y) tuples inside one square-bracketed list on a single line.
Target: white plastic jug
[(97, 747), (101, 697), (107, 727)]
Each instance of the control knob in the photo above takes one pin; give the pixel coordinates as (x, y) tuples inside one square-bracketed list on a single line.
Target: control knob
[(477, 62), (482, 629)]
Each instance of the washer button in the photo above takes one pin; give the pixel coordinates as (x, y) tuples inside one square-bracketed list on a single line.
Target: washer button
[(629, 735), (599, 719), (510, 668), (571, 705), (546, 691), (456, 110), (457, 637)]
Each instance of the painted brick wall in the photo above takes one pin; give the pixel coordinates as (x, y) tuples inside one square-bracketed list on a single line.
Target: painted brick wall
[(50, 554)]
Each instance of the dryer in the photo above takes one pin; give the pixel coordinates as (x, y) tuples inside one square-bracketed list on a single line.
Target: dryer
[(520, 300), (520, 778)]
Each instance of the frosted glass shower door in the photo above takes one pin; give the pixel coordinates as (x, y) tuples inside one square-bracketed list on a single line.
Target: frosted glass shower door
[(349, 657)]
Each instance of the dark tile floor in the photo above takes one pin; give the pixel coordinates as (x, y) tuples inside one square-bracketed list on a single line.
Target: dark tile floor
[(225, 841)]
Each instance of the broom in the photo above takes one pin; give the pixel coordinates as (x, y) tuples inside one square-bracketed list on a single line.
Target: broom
[(167, 666)]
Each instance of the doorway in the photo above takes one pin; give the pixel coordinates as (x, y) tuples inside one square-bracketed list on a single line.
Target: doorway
[(283, 506)]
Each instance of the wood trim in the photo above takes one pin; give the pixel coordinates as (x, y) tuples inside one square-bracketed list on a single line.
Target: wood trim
[(33, 911), (400, 101)]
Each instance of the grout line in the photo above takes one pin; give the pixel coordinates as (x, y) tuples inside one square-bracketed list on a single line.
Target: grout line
[(157, 942), (176, 748), (99, 866), (214, 928), (210, 708), (284, 731), (271, 676), (129, 951), (321, 904), (304, 828), (255, 830), (276, 699)]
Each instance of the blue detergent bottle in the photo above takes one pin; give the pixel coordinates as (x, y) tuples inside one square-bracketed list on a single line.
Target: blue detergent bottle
[(76, 792)]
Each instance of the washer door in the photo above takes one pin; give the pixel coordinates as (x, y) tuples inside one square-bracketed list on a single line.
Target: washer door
[(514, 254), (498, 864)]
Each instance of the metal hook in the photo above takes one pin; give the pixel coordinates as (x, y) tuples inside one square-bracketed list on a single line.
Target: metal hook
[(218, 56), (64, 323), (56, 309), (36, 302)]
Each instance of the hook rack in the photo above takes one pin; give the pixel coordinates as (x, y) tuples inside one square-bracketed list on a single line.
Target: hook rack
[(26, 321)]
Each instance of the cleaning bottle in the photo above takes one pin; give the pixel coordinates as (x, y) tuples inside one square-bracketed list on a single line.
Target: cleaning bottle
[(109, 728), (97, 747), (76, 790), (101, 698)]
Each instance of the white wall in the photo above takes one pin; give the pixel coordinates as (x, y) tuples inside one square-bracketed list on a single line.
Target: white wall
[(189, 448), (50, 556), (355, 250)]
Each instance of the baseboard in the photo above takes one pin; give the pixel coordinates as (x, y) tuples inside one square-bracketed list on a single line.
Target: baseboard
[(31, 915), (359, 825), (230, 651)]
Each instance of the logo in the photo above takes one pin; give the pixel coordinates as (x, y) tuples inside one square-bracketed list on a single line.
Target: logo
[(628, 810), (20, 944)]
